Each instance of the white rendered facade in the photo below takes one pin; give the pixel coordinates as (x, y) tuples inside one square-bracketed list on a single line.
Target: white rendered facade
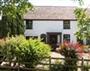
[(43, 26)]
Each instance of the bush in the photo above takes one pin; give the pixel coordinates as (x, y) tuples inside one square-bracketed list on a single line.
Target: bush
[(2, 43), (22, 50), (70, 52)]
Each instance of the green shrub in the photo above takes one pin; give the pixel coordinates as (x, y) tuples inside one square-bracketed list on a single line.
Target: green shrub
[(33, 51), (22, 50), (2, 43)]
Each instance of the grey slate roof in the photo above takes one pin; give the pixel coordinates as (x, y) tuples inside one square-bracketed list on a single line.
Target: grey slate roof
[(51, 12)]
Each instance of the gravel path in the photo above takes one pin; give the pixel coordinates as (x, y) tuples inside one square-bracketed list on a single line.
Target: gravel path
[(56, 55)]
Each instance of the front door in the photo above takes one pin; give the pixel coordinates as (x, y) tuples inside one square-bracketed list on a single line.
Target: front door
[(53, 39)]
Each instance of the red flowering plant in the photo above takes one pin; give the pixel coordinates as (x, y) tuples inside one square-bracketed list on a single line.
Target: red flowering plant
[(69, 49), (71, 52)]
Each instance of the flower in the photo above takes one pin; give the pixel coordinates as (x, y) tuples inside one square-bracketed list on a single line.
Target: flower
[(67, 48)]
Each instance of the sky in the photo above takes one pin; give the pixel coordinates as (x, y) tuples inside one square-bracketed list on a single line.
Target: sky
[(58, 3)]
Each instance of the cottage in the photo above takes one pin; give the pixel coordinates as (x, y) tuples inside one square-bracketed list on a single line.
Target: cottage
[(54, 23)]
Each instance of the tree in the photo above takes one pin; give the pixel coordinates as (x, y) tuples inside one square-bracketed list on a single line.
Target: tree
[(83, 19), (81, 2), (12, 22)]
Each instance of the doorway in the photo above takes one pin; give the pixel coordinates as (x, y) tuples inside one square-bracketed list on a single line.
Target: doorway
[(54, 39)]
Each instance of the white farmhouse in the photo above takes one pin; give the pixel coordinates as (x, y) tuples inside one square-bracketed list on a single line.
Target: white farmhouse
[(54, 23)]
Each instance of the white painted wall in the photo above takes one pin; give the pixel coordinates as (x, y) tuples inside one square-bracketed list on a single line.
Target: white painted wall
[(40, 27)]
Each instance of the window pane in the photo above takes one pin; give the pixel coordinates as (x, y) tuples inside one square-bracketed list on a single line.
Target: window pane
[(29, 24), (66, 24), (88, 41), (66, 37), (27, 37), (33, 37)]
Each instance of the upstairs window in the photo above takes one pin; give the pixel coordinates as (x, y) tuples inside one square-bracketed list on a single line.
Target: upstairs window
[(29, 24), (66, 37), (66, 24)]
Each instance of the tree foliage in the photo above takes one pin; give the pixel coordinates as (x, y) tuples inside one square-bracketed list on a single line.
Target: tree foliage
[(81, 2), (12, 16), (83, 20)]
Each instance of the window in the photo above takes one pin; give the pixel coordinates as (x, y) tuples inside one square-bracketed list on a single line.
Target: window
[(27, 37), (66, 37), (29, 24), (88, 41), (33, 37), (66, 24)]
